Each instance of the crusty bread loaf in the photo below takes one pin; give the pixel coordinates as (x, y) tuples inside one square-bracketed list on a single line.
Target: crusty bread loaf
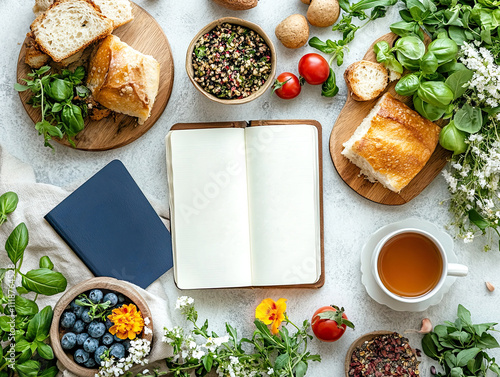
[(366, 80), (392, 144), (68, 26), (34, 57), (120, 11), (123, 79)]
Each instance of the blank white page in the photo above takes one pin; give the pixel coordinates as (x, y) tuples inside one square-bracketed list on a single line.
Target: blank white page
[(283, 180), (209, 207)]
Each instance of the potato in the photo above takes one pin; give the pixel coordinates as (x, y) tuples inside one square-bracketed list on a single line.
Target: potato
[(237, 4), (322, 13), (293, 31)]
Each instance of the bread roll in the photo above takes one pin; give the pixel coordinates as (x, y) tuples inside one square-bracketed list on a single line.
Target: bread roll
[(123, 79), (392, 144), (366, 80)]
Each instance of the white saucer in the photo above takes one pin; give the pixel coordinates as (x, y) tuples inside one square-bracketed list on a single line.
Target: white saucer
[(376, 293)]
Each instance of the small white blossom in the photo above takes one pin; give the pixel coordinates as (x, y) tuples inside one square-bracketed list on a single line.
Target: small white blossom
[(184, 301)]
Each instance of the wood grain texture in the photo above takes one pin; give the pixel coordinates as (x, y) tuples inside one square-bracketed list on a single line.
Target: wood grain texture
[(105, 283), (145, 35), (367, 337), (349, 119)]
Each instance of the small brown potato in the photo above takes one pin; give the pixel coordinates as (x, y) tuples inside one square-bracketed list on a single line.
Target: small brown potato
[(293, 31), (237, 4), (322, 13)]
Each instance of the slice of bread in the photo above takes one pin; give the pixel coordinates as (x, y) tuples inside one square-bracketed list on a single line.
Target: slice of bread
[(366, 80), (120, 11), (392, 144), (68, 26)]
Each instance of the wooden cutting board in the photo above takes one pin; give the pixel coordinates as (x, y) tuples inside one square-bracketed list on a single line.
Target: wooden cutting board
[(349, 119), (145, 35)]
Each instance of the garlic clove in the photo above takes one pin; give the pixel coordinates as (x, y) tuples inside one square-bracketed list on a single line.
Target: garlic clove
[(426, 326), (490, 286)]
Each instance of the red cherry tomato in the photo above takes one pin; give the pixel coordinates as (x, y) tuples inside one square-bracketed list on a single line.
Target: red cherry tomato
[(287, 86), (314, 69), (329, 323)]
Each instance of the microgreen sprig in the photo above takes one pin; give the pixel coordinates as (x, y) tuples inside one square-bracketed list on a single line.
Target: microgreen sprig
[(96, 310)]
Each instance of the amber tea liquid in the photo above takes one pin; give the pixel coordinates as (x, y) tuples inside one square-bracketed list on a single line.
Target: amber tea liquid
[(410, 264)]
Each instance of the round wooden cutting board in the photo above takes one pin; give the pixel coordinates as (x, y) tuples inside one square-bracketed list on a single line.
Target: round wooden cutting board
[(145, 35), (349, 119)]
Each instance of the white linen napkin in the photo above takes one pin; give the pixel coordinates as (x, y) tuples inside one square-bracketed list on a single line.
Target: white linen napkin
[(35, 201)]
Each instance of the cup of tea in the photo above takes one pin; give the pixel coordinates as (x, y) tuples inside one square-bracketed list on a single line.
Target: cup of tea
[(410, 265)]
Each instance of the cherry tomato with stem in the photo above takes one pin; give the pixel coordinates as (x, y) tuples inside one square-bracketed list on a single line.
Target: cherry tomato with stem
[(287, 86), (329, 323), (314, 69)]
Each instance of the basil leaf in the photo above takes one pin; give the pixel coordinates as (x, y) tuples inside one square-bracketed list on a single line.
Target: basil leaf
[(329, 87), (437, 93), (49, 372), (39, 326), (45, 351), (17, 242), (318, 44), (301, 369), (411, 47), (403, 28), (44, 281), (487, 340), (464, 356), (5, 323), (495, 369), (457, 80), (468, 119), (407, 85), (22, 345), (8, 202), (429, 347), (25, 306), (45, 262), (29, 368), (464, 315), (453, 139)]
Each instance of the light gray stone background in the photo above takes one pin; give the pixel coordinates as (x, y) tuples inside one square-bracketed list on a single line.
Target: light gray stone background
[(349, 218)]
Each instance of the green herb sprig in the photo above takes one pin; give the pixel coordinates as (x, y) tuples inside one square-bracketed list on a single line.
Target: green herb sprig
[(459, 347), (60, 99), (96, 310), (21, 322), (8, 204)]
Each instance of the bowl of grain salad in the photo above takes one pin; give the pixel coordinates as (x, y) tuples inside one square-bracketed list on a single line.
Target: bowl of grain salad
[(231, 61)]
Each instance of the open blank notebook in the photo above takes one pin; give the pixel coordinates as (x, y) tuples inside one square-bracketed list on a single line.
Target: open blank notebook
[(245, 206)]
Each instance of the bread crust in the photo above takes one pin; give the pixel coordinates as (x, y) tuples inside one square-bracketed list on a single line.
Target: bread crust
[(398, 143), (237, 4), (353, 82), (123, 79), (38, 22)]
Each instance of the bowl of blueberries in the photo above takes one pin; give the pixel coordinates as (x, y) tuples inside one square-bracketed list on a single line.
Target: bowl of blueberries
[(95, 320)]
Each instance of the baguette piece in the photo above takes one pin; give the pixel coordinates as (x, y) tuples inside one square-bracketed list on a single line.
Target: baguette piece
[(68, 26), (123, 79), (120, 11), (366, 80), (392, 144)]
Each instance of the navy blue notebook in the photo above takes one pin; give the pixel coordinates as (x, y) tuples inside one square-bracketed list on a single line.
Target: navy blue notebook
[(110, 225)]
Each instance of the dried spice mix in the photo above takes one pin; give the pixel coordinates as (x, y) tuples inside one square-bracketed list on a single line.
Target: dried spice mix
[(231, 61), (385, 355)]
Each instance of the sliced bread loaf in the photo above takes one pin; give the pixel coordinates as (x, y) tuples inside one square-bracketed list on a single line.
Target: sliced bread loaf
[(69, 26), (366, 80)]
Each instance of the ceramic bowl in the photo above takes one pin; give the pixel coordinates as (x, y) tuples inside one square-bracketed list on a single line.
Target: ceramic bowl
[(236, 21), (358, 342), (103, 283)]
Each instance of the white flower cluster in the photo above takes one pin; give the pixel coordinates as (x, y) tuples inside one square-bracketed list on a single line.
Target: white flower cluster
[(234, 367), (486, 79), (112, 367), (183, 302)]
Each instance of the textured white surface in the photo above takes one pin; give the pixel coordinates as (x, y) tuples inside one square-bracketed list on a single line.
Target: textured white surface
[(349, 218)]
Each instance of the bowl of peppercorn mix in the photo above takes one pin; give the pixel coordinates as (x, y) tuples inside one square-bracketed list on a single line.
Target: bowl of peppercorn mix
[(231, 61)]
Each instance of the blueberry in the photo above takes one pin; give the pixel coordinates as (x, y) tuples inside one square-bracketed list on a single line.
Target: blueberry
[(98, 353), (80, 338), (126, 344), (78, 327), (90, 345), (95, 296), (78, 312), (117, 339), (90, 363), (96, 329), (68, 341), (85, 316), (121, 298), (81, 356), (117, 350), (108, 323), (107, 339), (111, 297), (68, 320), (74, 306)]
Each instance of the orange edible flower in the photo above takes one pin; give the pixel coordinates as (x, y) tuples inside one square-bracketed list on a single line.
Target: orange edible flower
[(271, 312), (128, 322)]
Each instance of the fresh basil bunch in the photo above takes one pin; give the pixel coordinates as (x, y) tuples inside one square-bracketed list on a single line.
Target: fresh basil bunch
[(21, 321), (60, 98)]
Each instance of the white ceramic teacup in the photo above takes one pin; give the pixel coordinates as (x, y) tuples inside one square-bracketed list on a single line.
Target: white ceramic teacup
[(449, 269)]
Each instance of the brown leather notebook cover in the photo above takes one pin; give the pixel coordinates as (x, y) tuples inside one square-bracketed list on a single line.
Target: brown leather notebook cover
[(255, 123)]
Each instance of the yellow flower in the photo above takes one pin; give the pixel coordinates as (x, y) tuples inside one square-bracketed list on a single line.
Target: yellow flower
[(128, 322), (271, 312)]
